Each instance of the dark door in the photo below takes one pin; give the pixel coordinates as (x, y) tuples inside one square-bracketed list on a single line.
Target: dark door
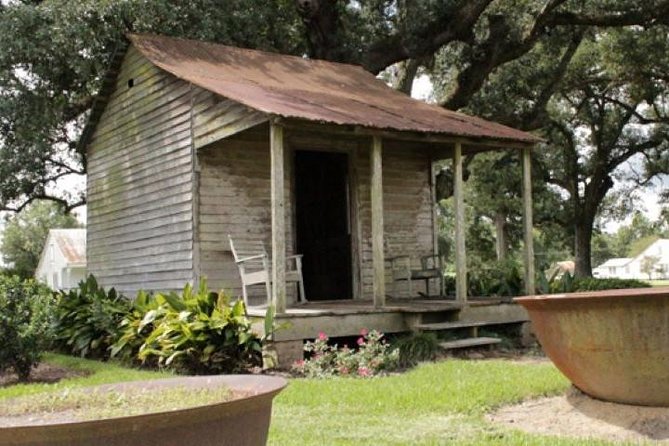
[(322, 223)]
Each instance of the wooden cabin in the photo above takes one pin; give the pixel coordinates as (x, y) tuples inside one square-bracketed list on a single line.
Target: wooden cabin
[(190, 142)]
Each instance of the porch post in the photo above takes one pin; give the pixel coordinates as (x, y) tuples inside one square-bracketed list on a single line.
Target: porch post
[(379, 279), (278, 219), (460, 253), (527, 222)]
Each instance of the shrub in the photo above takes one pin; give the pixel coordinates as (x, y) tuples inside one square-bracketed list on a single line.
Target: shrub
[(88, 319), (372, 357), (500, 279), (570, 284), (25, 324), (198, 332), (136, 327), (415, 348)]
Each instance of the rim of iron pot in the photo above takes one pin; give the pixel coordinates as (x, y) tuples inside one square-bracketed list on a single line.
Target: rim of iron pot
[(253, 387)]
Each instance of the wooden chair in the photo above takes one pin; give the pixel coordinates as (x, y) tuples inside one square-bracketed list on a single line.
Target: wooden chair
[(431, 267), (255, 268)]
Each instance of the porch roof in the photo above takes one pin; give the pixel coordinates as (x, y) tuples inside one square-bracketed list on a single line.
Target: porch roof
[(312, 90)]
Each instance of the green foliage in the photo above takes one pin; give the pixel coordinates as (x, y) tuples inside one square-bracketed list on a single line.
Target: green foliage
[(55, 55), (372, 357), (504, 278), (595, 284), (494, 278), (415, 348), (136, 326), (88, 319), (197, 332), (25, 324), (25, 234), (570, 284)]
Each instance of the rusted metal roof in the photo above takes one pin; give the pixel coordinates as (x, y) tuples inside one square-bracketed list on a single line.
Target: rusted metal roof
[(72, 243), (313, 90)]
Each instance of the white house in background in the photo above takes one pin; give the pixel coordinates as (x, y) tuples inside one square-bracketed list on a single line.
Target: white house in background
[(63, 261), (655, 257)]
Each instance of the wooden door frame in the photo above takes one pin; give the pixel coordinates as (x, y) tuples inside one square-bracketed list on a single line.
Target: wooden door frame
[(350, 148)]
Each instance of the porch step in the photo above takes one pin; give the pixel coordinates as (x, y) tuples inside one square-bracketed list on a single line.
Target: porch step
[(451, 325), (469, 342)]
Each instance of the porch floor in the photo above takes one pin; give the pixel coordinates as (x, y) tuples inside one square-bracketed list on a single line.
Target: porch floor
[(360, 306), (343, 318)]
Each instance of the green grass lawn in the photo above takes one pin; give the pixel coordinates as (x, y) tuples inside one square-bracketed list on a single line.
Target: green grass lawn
[(434, 404), (100, 373)]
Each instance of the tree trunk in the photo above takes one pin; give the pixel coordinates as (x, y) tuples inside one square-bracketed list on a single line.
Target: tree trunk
[(500, 236), (582, 248), (406, 73)]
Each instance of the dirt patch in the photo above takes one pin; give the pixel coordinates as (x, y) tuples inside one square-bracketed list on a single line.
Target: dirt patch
[(43, 373), (577, 415), (524, 355)]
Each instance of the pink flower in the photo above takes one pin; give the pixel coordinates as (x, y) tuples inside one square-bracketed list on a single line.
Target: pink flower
[(361, 341), (364, 332), (343, 370), (364, 372), (322, 336), (299, 363)]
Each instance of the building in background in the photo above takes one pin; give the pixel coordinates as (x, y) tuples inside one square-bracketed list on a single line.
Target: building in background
[(651, 264), (63, 261)]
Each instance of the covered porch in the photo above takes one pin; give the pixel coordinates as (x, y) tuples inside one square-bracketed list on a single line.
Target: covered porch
[(384, 240)]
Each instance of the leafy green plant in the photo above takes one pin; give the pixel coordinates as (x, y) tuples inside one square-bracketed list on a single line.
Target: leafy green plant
[(88, 319), (500, 279), (25, 324), (197, 332), (415, 348), (596, 284), (137, 325), (571, 284), (372, 357)]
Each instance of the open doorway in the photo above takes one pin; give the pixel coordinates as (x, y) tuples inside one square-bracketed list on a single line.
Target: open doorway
[(323, 233)]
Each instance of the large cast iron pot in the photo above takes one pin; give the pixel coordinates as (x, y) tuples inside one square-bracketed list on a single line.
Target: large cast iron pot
[(613, 345), (243, 421)]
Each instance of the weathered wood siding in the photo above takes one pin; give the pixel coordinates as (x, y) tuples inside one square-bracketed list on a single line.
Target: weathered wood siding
[(215, 117), (234, 199), (159, 217), (407, 207), (140, 182)]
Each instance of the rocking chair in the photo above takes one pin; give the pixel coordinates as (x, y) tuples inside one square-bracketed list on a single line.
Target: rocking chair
[(431, 267), (255, 268)]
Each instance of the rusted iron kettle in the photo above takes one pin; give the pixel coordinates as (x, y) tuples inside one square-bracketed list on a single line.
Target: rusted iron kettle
[(243, 421), (613, 345)]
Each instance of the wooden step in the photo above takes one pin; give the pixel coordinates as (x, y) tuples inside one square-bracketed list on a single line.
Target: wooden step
[(437, 326), (468, 342)]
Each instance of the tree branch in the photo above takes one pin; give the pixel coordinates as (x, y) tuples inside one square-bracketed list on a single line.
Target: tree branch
[(536, 118), (67, 206), (642, 16), (454, 24)]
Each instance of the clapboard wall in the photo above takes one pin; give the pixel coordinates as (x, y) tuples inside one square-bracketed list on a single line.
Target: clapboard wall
[(140, 182), (173, 169), (235, 200), (407, 211)]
